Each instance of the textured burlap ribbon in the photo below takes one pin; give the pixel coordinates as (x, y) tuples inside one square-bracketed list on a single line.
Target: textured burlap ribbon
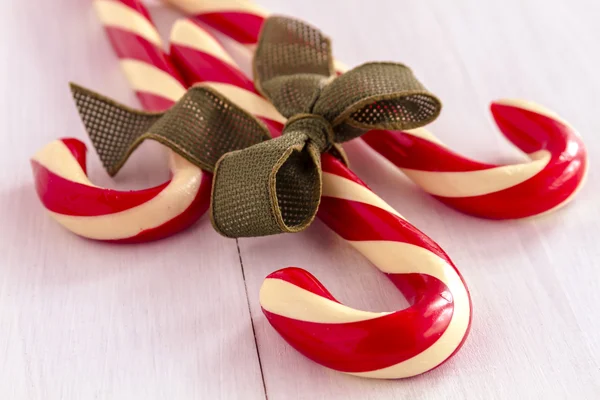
[(261, 186)]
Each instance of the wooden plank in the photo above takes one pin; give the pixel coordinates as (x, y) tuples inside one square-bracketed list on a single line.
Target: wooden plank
[(80, 319), (533, 282)]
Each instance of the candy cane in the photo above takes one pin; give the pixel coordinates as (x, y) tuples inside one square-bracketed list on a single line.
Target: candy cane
[(375, 345), (125, 216), (558, 157)]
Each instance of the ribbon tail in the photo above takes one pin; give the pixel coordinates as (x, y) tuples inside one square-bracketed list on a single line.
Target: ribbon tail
[(114, 129), (269, 188), (201, 127)]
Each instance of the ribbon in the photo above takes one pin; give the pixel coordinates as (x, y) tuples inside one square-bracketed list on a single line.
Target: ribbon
[(261, 186)]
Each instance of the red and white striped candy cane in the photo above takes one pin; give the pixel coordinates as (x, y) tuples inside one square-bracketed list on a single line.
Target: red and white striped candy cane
[(558, 156), (125, 216), (375, 345)]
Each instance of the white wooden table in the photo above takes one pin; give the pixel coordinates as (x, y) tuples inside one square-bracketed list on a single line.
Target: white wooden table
[(180, 318)]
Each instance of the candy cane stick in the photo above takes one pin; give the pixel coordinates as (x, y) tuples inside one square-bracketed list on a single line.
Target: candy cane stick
[(551, 179), (133, 216), (375, 345)]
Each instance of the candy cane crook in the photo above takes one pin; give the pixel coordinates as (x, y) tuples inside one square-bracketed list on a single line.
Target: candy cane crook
[(558, 158), (125, 216), (374, 345)]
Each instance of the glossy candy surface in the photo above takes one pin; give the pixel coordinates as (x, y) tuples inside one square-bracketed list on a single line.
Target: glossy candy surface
[(554, 174)]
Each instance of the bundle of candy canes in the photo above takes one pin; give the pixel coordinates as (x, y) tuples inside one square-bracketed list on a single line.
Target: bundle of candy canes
[(378, 345)]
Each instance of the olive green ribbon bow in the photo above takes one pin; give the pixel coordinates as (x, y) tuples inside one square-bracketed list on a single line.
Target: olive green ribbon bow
[(264, 186)]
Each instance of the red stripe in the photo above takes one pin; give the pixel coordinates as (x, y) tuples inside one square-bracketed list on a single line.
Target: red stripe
[(241, 27), (531, 131), (128, 45), (66, 197), (407, 151), (334, 166), (357, 221), (136, 5), (303, 279), (152, 102), (182, 221), (274, 127), (197, 66), (79, 151), (375, 343)]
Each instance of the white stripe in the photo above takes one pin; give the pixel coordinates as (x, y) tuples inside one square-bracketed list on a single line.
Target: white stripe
[(144, 77), (188, 34), (477, 183), (339, 66), (393, 257), (216, 6), (249, 101), (288, 300), (336, 186), (58, 159), (118, 15)]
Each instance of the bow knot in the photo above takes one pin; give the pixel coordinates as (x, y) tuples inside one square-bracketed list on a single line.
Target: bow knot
[(315, 127), (263, 186), (293, 68)]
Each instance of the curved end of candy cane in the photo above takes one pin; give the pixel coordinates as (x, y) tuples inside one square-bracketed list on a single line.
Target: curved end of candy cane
[(93, 212), (381, 345), (532, 127), (555, 173)]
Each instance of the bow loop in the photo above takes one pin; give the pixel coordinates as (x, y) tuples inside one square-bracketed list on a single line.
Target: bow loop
[(268, 188), (376, 96), (292, 63), (288, 47)]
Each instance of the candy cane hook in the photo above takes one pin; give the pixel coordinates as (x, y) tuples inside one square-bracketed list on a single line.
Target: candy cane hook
[(125, 216), (558, 157), (374, 345)]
